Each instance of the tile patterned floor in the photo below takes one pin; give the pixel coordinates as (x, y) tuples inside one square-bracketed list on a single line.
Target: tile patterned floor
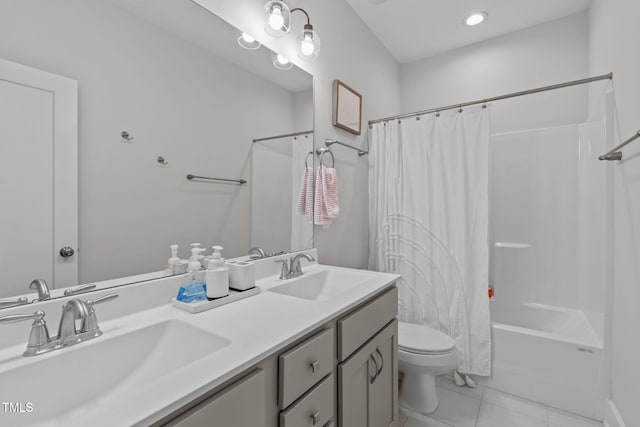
[(485, 407)]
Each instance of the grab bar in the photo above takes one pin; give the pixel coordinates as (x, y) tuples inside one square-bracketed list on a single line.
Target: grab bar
[(616, 154), (237, 181)]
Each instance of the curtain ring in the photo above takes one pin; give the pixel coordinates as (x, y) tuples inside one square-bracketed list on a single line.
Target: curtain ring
[(460, 109), (306, 161), (437, 113), (333, 159)]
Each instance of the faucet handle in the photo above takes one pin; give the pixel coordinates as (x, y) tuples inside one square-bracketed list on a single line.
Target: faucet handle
[(39, 335), (92, 320), (90, 303), (13, 318), (5, 303), (79, 289), (285, 271)]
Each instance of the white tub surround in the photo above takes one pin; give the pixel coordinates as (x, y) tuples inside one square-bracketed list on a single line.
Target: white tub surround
[(245, 332), (551, 264)]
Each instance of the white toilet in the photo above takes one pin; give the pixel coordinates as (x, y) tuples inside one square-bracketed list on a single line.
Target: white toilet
[(423, 354)]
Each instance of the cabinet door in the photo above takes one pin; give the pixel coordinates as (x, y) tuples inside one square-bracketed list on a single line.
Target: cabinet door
[(242, 404), (368, 383), (383, 392)]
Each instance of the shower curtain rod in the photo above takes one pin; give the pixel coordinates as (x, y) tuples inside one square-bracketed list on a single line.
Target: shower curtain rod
[(282, 136), (497, 98)]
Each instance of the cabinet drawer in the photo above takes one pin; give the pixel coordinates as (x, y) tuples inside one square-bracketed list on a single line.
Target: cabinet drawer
[(315, 409), (358, 327), (303, 366), (241, 404)]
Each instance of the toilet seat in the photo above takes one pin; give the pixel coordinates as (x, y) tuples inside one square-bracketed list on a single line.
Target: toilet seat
[(420, 339)]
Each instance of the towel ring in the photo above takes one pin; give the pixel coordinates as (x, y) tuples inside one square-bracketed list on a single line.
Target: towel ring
[(333, 159), (306, 161)]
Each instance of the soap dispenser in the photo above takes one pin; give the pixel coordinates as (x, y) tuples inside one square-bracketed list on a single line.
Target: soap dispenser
[(217, 276), (193, 268), (174, 261), (216, 257)]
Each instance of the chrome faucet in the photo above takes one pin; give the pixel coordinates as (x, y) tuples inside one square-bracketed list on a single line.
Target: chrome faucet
[(291, 268), (72, 310), (43, 290), (258, 253), (296, 268), (68, 334)]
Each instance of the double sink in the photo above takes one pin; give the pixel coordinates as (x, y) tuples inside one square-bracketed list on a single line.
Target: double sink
[(58, 383)]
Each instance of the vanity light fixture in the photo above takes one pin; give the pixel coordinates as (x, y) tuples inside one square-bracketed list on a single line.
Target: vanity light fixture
[(309, 40), (279, 24), (247, 41), (475, 18), (278, 18), (281, 62)]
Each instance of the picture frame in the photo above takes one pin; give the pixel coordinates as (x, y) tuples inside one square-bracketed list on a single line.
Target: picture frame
[(347, 108)]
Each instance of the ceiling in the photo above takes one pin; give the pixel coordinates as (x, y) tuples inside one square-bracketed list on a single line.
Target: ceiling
[(197, 25), (415, 29)]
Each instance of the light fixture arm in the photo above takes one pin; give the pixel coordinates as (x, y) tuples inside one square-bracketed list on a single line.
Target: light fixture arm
[(299, 9)]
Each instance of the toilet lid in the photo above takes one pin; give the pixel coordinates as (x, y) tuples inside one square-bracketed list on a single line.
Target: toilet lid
[(423, 339)]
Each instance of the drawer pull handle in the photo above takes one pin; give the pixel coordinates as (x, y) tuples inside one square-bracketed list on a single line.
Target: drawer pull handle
[(315, 417), (315, 366), (329, 423), (381, 361), (375, 369)]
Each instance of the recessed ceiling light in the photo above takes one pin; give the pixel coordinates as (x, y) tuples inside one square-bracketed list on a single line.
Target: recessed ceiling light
[(475, 18)]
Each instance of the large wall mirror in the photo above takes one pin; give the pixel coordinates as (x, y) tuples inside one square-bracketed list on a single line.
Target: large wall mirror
[(191, 101)]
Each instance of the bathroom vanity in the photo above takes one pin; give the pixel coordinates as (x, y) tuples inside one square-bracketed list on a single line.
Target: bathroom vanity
[(319, 350), (345, 370)]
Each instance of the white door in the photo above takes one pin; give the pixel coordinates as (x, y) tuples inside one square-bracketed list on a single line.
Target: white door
[(38, 178)]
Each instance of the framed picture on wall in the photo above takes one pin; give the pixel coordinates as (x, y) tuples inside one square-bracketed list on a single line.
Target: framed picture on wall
[(347, 108)]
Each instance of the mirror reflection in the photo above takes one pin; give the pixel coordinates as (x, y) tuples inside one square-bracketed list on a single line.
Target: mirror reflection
[(164, 90)]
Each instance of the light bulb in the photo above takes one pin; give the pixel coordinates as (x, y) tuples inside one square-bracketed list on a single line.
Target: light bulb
[(306, 46), (475, 18), (283, 59), (276, 20), (246, 37)]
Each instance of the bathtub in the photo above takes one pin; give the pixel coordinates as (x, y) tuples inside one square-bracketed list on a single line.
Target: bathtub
[(551, 355)]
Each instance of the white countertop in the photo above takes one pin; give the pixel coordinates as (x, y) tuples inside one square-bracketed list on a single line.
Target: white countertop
[(256, 327)]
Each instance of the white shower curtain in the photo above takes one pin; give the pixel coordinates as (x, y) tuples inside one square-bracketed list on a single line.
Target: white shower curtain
[(428, 221)]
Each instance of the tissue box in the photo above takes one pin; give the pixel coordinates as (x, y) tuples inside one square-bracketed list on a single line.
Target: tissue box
[(242, 275)]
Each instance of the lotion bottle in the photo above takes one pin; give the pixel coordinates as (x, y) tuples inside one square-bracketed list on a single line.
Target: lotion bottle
[(174, 261), (217, 276)]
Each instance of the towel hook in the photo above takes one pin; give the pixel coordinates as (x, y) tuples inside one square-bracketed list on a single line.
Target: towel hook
[(322, 152), (306, 161)]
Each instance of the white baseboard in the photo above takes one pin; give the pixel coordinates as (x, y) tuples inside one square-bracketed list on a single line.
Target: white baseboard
[(612, 417)]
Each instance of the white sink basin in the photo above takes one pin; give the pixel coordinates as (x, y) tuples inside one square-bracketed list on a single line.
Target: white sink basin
[(323, 283), (84, 374)]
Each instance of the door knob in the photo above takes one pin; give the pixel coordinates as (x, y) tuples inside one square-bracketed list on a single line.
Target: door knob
[(67, 252)]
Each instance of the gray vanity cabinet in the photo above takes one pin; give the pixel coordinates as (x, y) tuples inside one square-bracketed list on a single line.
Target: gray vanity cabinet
[(241, 404), (368, 383), (349, 364)]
